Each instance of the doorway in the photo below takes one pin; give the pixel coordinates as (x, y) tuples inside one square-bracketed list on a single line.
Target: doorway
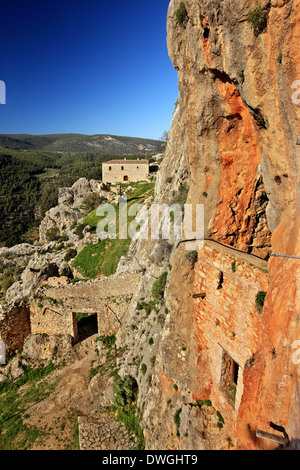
[(85, 325)]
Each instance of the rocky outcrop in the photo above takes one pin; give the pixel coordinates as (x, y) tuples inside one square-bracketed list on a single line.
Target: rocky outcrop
[(46, 349), (70, 209), (39, 351)]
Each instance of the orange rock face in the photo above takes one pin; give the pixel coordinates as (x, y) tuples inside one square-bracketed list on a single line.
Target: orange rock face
[(240, 114), (240, 155)]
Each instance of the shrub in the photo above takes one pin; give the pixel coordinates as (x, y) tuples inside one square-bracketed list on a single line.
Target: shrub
[(143, 369), (52, 234), (71, 253), (78, 230), (177, 419), (91, 202), (242, 75), (125, 390), (105, 187), (152, 360), (181, 196), (257, 17), (66, 271), (221, 420), (147, 306), (230, 443), (203, 402), (9, 276), (260, 299), (249, 362), (181, 14), (108, 341), (159, 286), (126, 408), (192, 256)]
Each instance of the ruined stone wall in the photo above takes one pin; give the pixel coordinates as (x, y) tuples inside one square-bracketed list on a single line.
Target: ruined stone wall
[(54, 308), (229, 322), (14, 327)]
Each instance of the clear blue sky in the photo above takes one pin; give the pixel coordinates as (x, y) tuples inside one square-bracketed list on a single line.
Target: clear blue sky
[(90, 67)]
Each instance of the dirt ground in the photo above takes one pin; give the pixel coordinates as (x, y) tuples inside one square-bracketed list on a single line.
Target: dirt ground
[(56, 416)]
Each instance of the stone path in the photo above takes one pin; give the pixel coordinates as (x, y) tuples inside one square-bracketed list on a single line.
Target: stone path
[(104, 434)]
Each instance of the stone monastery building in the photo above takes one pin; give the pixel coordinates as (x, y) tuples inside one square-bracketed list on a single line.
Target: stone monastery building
[(117, 171)]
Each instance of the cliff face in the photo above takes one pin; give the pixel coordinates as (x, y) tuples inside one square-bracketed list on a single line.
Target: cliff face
[(233, 140), (212, 337), (236, 101)]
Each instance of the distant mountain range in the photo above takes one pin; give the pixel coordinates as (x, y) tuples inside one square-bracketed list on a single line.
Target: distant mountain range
[(73, 143)]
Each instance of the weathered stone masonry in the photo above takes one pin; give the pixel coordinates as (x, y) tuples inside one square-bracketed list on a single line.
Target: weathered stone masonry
[(14, 327), (228, 323), (53, 311)]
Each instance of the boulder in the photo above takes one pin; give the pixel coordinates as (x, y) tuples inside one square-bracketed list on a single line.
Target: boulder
[(46, 349)]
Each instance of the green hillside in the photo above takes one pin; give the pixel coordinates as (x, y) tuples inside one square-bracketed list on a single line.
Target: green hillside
[(74, 143)]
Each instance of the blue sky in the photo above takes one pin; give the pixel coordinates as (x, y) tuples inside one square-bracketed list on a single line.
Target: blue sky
[(90, 67)]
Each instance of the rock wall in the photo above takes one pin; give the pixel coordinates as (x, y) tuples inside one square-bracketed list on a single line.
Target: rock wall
[(70, 209), (241, 128), (232, 144)]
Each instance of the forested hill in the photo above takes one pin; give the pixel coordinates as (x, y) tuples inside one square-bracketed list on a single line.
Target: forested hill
[(74, 143), (29, 182)]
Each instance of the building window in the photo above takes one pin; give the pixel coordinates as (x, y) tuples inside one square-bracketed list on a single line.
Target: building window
[(125, 178), (122, 168), (229, 377), (109, 168), (137, 166)]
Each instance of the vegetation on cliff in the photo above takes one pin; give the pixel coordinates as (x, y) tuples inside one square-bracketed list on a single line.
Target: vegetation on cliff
[(103, 257), (258, 18), (181, 14)]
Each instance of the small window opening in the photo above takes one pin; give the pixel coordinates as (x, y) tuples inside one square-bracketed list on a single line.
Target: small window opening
[(109, 168), (206, 32), (125, 178), (221, 280)]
